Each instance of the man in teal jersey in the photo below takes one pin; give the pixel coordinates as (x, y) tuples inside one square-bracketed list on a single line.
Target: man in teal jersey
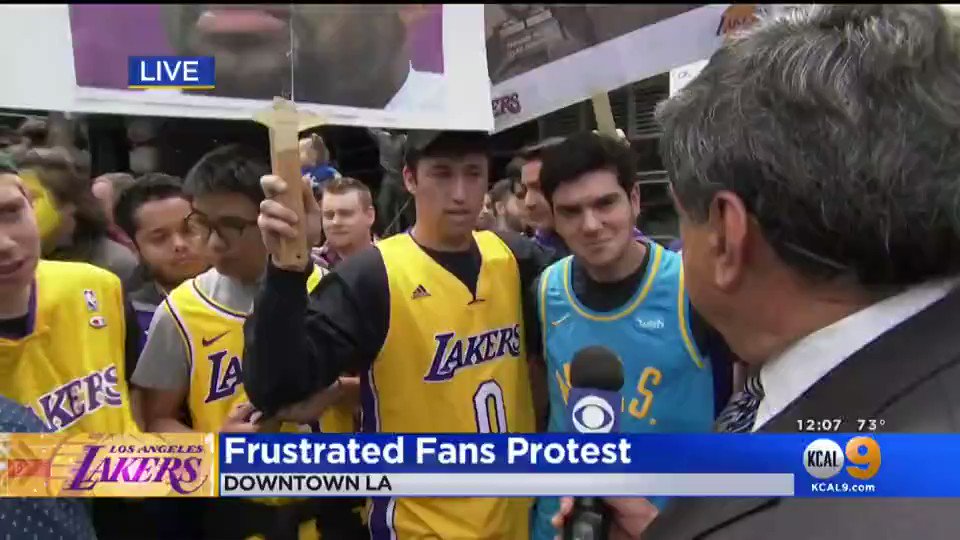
[(624, 294)]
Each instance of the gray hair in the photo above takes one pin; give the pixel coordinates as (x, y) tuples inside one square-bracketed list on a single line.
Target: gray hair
[(839, 128)]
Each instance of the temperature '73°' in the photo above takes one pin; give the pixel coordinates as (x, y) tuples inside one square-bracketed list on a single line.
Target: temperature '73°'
[(870, 424)]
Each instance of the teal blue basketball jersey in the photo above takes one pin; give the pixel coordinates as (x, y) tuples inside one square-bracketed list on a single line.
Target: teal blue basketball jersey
[(668, 384)]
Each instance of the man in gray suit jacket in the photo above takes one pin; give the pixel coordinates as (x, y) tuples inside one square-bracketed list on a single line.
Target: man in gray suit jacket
[(816, 170)]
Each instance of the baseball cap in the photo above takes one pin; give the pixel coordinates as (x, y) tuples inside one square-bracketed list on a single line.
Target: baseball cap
[(421, 143)]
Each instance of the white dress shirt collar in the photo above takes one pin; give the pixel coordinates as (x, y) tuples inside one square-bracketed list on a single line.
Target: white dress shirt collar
[(787, 376)]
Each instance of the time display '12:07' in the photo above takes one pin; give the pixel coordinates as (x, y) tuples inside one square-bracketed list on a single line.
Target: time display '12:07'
[(831, 425)]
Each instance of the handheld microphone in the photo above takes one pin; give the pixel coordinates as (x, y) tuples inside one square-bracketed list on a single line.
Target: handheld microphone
[(596, 377)]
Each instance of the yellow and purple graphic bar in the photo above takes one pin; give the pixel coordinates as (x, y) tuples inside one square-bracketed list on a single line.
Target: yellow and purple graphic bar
[(94, 465)]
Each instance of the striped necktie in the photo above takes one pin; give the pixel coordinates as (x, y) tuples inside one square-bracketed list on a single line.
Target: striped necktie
[(739, 415)]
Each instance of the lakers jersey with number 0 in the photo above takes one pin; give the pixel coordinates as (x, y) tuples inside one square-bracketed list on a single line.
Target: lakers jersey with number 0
[(213, 335), (452, 362), (70, 368), (668, 384)]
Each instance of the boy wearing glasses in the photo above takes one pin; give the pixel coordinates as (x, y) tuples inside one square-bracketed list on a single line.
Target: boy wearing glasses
[(194, 350)]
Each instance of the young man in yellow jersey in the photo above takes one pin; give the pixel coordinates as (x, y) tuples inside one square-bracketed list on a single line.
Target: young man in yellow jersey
[(433, 320), (194, 350), (64, 329), (68, 340)]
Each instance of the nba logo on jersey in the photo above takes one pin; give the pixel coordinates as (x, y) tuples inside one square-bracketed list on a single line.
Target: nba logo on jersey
[(91, 298)]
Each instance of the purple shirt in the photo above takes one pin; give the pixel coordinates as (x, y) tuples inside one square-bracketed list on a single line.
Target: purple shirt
[(324, 256)]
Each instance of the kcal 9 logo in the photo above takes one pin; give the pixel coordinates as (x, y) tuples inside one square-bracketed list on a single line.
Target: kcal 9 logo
[(593, 415), (823, 458)]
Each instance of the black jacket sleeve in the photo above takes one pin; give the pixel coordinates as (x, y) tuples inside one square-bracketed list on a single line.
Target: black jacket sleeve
[(296, 344), (532, 258)]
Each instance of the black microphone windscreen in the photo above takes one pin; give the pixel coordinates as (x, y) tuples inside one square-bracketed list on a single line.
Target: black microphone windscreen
[(596, 367)]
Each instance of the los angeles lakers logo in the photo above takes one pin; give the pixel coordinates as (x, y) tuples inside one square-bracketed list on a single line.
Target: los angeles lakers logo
[(85, 465)]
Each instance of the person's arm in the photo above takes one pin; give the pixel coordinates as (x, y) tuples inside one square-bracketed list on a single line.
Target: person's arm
[(537, 360), (163, 375), (298, 344), (532, 258)]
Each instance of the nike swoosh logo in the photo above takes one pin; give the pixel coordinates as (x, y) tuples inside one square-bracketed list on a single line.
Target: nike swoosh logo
[(208, 342), (560, 320)]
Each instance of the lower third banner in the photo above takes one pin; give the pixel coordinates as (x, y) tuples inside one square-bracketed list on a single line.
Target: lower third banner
[(710, 465), (424, 465)]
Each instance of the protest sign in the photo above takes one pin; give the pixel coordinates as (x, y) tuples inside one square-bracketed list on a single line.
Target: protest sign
[(544, 57), (400, 66)]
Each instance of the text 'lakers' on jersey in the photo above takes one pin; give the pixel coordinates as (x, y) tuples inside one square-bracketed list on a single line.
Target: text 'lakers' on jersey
[(70, 367), (213, 335), (451, 363)]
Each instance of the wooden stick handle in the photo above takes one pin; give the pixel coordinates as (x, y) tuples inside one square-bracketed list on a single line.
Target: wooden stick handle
[(286, 164), (604, 114), (284, 122)]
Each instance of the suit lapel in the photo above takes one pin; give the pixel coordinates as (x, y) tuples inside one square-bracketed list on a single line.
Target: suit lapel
[(867, 382), (860, 387)]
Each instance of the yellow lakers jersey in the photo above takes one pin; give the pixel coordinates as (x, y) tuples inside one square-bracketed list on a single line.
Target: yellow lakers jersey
[(213, 335), (451, 363), (70, 368)]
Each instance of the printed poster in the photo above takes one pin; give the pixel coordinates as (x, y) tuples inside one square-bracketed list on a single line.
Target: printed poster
[(544, 57), (400, 66)]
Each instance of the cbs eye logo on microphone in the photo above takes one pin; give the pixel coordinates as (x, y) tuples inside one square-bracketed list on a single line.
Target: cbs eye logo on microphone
[(594, 414), (855, 463)]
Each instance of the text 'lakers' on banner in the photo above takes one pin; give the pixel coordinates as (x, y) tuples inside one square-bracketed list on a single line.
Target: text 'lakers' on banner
[(85, 465)]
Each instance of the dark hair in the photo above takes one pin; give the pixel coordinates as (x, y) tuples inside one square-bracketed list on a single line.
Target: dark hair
[(149, 187), (228, 169), (118, 180), (514, 169), (836, 125), (35, 130), (345, 184), (501, 189), (582, 153), (59, 174), (535, 151), (450, 144)]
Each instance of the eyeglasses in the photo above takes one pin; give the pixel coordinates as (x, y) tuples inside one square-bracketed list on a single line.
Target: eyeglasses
[(228, 228)]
